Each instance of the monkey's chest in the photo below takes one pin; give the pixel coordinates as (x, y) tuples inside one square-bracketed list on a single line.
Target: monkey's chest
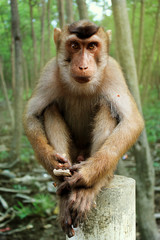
[(78, 116)]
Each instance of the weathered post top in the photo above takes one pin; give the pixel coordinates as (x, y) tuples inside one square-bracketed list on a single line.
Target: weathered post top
[(114, 217)]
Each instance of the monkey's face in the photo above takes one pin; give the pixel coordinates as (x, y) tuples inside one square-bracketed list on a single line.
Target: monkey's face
[(82, 52), (83, 57)]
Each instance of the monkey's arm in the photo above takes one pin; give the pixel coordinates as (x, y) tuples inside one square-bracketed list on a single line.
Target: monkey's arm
[(103, 162), (44, 94)]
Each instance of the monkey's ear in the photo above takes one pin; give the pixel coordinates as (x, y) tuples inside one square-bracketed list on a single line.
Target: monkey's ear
[(57, 33), (109, 34)]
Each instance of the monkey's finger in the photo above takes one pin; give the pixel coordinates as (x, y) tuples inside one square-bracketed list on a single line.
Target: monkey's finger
[(71, 232), (79, 219), (72, 199), (75, 167), (75, 180), (66, 165), (62, 159), (67, 228), (68, 223)]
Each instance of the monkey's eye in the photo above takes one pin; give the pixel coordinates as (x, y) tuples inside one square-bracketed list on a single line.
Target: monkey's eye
[(75, 45), (92, 46)]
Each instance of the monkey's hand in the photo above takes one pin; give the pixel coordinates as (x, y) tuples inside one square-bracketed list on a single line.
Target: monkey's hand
[(50, 159), (63, 162), (76, 180), (87, 174)]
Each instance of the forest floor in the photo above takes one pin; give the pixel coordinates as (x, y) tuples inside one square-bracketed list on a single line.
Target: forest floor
[(28, 202)]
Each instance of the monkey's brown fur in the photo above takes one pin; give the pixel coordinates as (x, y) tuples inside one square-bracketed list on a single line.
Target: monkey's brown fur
[(81, 107)]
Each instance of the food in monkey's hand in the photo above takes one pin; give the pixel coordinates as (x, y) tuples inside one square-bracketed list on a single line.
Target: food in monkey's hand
[(62, 172)]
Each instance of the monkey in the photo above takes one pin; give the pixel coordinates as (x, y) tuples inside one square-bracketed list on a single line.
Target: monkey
[(82, 107)]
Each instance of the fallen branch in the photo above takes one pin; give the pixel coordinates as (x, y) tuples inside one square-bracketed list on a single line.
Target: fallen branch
[(9, 214), (3, 202), (14, 190), (6, 165), (31, 179), (29, 226)]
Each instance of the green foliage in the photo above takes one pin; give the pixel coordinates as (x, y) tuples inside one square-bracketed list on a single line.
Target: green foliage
[(26, 150), (19, 187), (4, 155), (10, 95), (42, 205), (157, 165), (27, 95), (22, 211), (152, 119)]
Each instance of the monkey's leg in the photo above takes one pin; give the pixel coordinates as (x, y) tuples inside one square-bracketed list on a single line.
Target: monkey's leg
[(82, 199), (57, 132), (103, 126)]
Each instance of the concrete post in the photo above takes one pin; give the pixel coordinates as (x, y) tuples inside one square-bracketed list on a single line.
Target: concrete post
[(114, 216)]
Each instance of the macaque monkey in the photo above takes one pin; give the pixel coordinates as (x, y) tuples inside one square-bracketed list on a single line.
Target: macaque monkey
[(81, 107)]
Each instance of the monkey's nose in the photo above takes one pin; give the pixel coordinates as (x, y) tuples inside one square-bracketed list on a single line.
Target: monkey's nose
[(83, 68)]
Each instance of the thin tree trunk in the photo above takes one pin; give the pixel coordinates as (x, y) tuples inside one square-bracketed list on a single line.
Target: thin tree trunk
[(133, 18), (82, 8), (144, 163), (141, 37), (156, 75), (4, 89), (147, 76), (69, 11), (18, 105), (60, 4), (49, 29), (42, 33), (34, 44), (13, 64), (26, 81)]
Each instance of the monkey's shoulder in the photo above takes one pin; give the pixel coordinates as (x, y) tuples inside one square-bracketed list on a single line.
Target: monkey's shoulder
[(113, 64), (113, 73), (49, 72)]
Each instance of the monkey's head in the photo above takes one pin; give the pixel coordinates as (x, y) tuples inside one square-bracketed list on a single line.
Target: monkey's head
[(82, 52)]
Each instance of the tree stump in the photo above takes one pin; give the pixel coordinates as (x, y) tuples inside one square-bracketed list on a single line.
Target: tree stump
[(114, 217)]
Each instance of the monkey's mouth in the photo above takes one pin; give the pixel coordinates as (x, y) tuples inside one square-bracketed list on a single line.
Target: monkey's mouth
[(82, 79)]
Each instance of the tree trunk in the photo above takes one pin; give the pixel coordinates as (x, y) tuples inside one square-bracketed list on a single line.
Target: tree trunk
[(49, 29), (4, 89), (144, 163), (60, 4), (34, 44), (147, 76), (18, 105), (26, 81), (156, 76), (82, 8), (141, 36), (133, 18), (69, 11), (42, 33), (13, 64)]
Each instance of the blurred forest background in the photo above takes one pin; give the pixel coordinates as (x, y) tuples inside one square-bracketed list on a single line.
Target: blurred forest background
[(28, 207)]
